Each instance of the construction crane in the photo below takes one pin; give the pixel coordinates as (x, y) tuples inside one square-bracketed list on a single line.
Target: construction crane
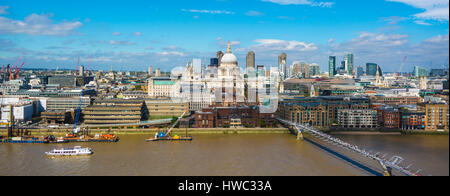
[(87, 69), (76, 129), (11, 75), (17, 72), (161, 136), (175, 124), (403, 64)]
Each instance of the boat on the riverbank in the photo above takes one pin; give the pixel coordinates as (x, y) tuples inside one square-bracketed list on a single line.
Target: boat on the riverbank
[(26, 140), (175, 138), (88, 138), (76, 151), (163, 136)]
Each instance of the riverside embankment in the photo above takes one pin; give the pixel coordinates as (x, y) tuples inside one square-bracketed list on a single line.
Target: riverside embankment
[(179, 131)]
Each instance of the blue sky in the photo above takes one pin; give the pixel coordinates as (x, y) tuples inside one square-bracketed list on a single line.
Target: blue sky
[(134, 34)]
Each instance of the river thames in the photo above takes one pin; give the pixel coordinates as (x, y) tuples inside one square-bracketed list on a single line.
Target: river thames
[(218, 155)]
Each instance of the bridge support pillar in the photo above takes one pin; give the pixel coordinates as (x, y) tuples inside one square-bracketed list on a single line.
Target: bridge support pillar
[(300, 136), (387, 172)]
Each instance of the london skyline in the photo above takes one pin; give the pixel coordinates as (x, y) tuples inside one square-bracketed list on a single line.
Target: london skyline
[(167, 34)]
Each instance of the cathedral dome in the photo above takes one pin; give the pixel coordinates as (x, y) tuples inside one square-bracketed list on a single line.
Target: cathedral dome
[(229, 59)]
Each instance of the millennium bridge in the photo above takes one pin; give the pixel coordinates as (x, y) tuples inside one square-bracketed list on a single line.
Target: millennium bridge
[(395, 163)]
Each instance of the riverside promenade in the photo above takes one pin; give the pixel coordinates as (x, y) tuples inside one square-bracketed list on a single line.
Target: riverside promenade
[(177, 131)]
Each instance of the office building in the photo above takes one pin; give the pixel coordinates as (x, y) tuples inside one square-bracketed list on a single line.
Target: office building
[(357, 118), (250, 60), (420, 72), (166, 108), (282, 61), (81, 71), (349, 62), (115, 111), (314, 69), (68, 103), (389, 117), (214, 62), (436, 117), (237, 116), (413, 120), (320, 112), (332, 66), (162, 87), (359, 72), (371, 69), (150, 71), (63, 81), (158, 72)]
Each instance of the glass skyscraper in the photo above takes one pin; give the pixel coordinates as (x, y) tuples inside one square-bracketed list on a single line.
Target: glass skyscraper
[(282, 60), (420, 72), (332, 66), (349, 61), (371, 69), (359, 72)]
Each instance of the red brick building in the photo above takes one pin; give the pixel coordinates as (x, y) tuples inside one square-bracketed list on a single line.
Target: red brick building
[(413, 120), (240, 116), (389, 118)]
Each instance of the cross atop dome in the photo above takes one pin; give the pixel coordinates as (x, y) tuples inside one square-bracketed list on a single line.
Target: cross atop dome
[(229, 59)]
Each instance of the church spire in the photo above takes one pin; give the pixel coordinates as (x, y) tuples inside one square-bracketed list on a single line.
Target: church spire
[(229, 47)]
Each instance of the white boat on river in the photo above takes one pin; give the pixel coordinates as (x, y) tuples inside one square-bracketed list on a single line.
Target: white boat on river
[(76, 151)]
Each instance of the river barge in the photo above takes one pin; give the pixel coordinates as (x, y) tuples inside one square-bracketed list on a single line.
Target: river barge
[(26, 140), (175, 138), (107, 138)]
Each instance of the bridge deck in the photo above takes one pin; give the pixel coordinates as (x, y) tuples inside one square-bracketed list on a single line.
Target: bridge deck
[(395, 163)]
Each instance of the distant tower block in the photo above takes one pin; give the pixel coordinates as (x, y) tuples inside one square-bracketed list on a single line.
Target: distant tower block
[(282, 60), (423, 83), (251, 60), (150, 71), (219, 56), (158, 73), (81, 71)]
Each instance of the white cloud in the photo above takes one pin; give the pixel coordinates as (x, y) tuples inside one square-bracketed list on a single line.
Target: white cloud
[(123, 43), (393, 20), (434, 9), (282, 45), (137, 33), (35, 24), (208, 11), (302, 2), (116, 33), (254, 13), (222, 43), (171, 53), (421, 22), (438, 39)]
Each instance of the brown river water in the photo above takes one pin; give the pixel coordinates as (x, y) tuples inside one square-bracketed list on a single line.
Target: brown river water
[(217, 155)]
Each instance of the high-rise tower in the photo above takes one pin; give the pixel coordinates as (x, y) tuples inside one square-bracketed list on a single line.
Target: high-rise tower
[(349, 61), (219, 56), (250, 60), (332, 66), (282, 66)]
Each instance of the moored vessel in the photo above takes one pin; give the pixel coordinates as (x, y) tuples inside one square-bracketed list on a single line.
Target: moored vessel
[(165, 137)]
